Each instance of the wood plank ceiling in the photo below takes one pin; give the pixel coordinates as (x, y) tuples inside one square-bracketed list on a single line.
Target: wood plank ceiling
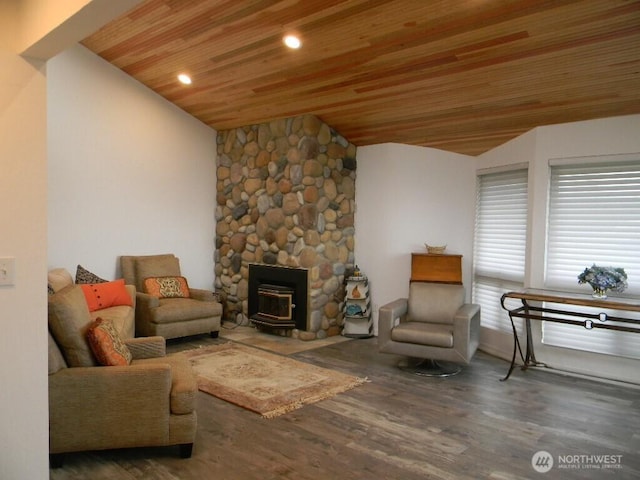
[(457, 75)]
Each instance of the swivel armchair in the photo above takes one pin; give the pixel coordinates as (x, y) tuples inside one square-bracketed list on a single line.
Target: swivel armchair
[(433, 327)]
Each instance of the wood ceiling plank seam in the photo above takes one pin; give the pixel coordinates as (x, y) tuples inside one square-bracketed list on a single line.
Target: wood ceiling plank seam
[(149, 36), (453, 115), (273, 37), (442, 59), (581, 18), (325, 109), (489, 120), (505, 59), (626, 32), (486, 15), (528, 102), (444, 84)]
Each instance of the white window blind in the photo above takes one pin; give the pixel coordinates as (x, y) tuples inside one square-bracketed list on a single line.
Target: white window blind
[(499, 243), (594, 217)]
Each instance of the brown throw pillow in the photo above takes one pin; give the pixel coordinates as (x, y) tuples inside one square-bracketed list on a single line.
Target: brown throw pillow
[(106, 344), (84, 276), (167, 287)]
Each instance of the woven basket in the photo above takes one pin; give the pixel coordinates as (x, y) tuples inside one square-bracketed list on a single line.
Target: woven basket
[(435, 249)]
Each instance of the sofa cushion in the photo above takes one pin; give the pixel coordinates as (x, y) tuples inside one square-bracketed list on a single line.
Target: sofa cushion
[(105, 295), (420, 333), (434, 302), (58, 278), (184, 386), (122, 317), (106, 344), (56, 360), (69, 320), (180, 309), (167, 287), (85, 276)]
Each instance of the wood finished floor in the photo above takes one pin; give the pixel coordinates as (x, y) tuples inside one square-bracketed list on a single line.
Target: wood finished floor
[(398, 426)]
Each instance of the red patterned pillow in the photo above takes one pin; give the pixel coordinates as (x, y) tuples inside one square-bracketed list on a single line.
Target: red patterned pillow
[(167, 287), (106, 344), (107, 294)]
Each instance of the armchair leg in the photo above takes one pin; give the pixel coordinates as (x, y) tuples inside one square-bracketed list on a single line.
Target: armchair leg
[(215, 334), (186, 449), (56, 460)]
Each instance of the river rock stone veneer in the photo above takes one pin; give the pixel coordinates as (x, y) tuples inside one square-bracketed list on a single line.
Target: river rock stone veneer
[(286, 196)]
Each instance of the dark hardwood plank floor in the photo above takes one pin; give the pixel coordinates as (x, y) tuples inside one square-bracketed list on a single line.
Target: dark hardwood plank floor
[(401, 426)]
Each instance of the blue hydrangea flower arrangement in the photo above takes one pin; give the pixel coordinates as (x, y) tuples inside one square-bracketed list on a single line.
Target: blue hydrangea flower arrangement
[(603, 279)]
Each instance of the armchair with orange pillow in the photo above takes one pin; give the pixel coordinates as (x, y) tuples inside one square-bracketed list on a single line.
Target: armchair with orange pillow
[(108, 390), (165, 304)]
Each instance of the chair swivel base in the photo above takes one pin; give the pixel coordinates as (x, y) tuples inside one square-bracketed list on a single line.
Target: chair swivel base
[(429, 368)]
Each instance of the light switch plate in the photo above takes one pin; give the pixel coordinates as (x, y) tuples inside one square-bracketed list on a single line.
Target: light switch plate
[(7, 270)]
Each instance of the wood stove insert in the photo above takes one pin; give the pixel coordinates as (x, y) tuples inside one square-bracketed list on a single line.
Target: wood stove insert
[(278, 296)]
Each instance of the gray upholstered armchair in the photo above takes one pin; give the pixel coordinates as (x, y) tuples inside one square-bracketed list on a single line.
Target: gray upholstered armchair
[(433, 324), (194, 313)]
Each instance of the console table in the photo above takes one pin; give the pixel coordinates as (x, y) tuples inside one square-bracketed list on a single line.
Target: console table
[(549, 303)]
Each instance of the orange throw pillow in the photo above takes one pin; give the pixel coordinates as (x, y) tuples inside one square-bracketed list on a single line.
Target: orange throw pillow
[(105, 295), (106, 344), (167, 287)]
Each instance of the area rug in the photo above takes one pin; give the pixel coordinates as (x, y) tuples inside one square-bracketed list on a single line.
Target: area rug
[(264, 382)]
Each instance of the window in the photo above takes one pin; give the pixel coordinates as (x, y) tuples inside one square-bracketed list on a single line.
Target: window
[(594, 217), (500, 242)]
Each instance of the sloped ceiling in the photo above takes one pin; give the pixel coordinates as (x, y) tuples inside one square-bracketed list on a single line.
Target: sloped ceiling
[(463, 76)]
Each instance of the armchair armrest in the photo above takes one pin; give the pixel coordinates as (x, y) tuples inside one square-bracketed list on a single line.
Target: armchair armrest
[(202, 295), (147, 347), (89, 407), (146, 301), (145, 304), (466, 312), (85, 387), (131, 290), (387, 315), (466, 330)]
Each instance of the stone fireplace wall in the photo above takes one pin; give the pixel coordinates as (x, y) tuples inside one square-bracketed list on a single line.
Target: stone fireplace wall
[(286, 196)]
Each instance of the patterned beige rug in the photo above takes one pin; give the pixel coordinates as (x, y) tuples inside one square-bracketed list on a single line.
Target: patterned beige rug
[(263, 382)]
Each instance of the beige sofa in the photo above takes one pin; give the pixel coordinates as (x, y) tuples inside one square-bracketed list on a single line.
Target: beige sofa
[(150, 402)]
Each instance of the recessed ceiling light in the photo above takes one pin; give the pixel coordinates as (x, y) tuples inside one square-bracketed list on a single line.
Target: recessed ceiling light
[(292, 41), (184, 79)]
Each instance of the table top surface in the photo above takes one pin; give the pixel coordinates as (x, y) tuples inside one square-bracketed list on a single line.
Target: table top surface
[(572, 298)]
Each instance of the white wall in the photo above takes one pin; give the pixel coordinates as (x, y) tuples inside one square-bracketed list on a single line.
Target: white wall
[(23, 307), (618, 135), (129, 173), (407, 196)]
